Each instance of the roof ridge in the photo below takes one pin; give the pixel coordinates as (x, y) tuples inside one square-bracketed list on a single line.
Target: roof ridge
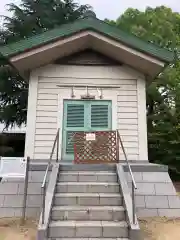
[(81, 24)]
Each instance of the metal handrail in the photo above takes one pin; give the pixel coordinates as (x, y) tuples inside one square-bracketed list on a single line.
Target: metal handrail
[(134, 186), (43, 187)]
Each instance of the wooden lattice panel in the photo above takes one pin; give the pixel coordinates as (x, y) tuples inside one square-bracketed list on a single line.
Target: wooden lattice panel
[(101, 150)]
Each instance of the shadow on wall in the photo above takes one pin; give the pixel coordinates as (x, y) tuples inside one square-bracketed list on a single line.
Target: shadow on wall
[(12, 144)]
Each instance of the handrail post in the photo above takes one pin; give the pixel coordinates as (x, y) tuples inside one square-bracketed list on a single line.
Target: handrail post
[(117, 146), (25, 190), (43, 202), (57, 153), (133, 203)]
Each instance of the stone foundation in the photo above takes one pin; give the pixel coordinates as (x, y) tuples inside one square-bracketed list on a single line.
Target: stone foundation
[(11, 194), (156, 194)]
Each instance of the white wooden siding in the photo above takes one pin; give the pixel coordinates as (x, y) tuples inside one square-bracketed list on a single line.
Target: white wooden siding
[(47, 117), (47, 125), (46, 114), (127, 110), (40, 138)]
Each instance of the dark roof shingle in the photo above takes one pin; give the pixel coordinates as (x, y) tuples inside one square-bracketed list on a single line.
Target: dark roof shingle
[(93, 24)]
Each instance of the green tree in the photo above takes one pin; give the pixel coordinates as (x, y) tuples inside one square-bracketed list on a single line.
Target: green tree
[(160, 26), (28, 19)]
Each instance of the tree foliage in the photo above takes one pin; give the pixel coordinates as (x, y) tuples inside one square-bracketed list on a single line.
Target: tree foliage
[(34, 17), (160, 26), (28, 19)]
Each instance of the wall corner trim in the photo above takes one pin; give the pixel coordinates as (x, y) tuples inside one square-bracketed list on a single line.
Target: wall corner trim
[(142, 120), (31, 115)]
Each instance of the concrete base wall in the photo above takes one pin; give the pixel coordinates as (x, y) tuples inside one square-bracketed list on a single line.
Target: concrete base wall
[(11, 194), (156, 194)]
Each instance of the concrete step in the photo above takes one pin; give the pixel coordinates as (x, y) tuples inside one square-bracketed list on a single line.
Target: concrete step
[(87, 176), (87, 187), (88, 239), (69, 166), (88, 199), (98, 213), (88, 229)]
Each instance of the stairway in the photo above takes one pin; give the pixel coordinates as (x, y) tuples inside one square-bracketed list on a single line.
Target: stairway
[(87, 205)]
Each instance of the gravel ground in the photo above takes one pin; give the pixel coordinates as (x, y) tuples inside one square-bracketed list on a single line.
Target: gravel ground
[(160, 229), (152, 229), (11, 229)]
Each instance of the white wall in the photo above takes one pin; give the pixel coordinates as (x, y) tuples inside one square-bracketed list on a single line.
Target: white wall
[(45, 105)]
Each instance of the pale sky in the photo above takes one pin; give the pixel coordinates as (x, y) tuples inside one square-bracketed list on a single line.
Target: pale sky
[(112, 9)]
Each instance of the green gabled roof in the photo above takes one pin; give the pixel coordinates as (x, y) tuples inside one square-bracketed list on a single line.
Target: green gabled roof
[(93, 24)]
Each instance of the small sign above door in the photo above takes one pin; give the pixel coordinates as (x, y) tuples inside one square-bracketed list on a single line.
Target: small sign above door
[(90, 136)]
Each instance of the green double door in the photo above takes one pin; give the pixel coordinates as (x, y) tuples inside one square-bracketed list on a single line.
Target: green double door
[(83, 115)]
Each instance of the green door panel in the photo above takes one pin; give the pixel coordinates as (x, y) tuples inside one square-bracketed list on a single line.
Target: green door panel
[(73, 121), (75, 115), (101, 116), (81, 115)]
